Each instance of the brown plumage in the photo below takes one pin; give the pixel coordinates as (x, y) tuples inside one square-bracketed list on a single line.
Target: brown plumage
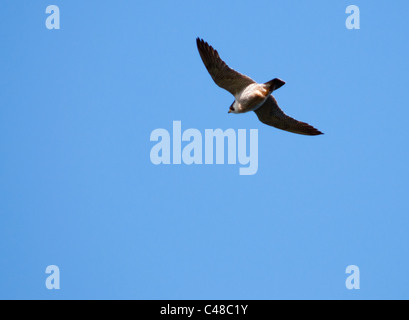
[(250, 95), (271, 114), (223, 76)]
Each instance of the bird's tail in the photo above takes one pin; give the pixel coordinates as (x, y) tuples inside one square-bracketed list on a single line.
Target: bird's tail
[(274, 84)]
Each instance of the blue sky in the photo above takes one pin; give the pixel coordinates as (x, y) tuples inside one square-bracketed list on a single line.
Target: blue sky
[(78, 189)]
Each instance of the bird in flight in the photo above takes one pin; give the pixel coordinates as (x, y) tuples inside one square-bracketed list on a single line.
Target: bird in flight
[(250, 95)]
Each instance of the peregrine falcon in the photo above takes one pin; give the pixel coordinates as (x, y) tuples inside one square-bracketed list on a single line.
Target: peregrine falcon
[(250, 95)]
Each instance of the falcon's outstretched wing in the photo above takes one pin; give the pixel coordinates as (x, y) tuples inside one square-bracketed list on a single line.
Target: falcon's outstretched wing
[(271, 114), (223, 76)]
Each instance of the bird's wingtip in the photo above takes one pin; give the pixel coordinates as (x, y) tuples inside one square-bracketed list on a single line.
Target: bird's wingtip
[(318, 133)]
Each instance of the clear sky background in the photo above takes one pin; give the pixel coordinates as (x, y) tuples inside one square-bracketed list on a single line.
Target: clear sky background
[(78, 189)]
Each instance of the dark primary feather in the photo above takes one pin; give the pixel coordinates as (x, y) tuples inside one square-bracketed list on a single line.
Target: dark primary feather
[(222, 75), (271, 114)]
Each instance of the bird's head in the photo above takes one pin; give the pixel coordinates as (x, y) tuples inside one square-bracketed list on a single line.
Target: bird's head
[(232, 108)]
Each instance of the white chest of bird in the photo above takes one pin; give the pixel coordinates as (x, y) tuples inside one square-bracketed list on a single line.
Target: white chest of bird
[(251, 98)]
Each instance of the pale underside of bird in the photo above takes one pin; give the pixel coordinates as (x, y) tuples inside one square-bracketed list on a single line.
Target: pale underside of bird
[(250, 95)]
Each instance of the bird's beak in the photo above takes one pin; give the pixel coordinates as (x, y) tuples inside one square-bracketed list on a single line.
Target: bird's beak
[(229, 111)]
